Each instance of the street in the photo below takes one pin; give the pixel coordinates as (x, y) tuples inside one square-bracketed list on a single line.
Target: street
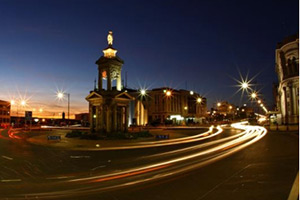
[(232, 164)]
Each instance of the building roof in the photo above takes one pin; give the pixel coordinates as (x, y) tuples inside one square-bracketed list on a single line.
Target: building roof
[(287, 40), (4, 102), (103, 59)]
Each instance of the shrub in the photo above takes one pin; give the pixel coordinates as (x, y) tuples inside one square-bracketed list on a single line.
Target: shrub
[(91, 137), (74, 133)]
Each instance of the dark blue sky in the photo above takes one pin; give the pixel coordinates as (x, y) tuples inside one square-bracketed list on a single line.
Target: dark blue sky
[(50, 45)]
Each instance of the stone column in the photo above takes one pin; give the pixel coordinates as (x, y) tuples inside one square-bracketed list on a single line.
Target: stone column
[(100, 117), (108, 120), (285, 105), (119, 82), (91, 117), (97, 125), (108, 72), (115, 122), (100, 79), (291, 99), (126, 118)]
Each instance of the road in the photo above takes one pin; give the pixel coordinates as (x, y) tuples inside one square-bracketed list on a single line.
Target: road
[(227, 164)]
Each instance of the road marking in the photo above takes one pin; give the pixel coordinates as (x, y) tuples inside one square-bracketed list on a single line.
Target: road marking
[(60, 177), (8, 158), (223, 182), (294, 193), (79, 156), (11, 180), (101, 166)]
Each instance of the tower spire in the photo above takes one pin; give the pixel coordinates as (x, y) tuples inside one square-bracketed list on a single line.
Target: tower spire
[(110, 38), (110, 52)]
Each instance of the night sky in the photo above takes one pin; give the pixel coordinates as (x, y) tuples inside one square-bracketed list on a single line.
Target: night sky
[(47, 46)]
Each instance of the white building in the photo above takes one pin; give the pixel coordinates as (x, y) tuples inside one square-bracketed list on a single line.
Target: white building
[(287, 68)]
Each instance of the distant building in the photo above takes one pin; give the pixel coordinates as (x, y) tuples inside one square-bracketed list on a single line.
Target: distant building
[(287, 69), (4, 113), (179, 106), (83, 118), (225, 108), (245, 112)]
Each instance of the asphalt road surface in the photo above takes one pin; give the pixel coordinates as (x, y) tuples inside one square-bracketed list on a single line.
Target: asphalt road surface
[(227, 164)]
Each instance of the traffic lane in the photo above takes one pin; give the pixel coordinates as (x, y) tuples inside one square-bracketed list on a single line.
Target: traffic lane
[(265, 170), (96, 188), (44, 161)]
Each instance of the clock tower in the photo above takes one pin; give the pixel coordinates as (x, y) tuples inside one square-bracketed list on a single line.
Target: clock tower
[(109, 108), (110, 66)]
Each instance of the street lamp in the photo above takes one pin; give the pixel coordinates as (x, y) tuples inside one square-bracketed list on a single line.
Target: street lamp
[(219, 104), (191, 92), (168, 93), (143, 92), (259, 101), (253, 95), (23, 103), (60, 95), (245, 85), (199, 100)]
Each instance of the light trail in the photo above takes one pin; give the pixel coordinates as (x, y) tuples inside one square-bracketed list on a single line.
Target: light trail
[(184, 140), (160, 165)]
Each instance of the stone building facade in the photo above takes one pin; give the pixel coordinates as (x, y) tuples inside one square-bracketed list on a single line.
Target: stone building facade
[(4, 113), (287, 69), (180, 106)]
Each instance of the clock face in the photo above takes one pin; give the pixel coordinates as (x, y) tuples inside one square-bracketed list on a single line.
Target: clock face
[(114, 75), (104, 74)]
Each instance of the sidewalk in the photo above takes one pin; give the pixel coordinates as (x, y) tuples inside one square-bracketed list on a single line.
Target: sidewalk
[(41, 138), (283, 128)]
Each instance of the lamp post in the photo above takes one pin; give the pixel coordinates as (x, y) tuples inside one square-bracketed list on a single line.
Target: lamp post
[(18, 102), (142, 94), (60, 95)]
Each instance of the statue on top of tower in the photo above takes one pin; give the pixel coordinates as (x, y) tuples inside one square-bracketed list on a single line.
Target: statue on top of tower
[(110, 38)]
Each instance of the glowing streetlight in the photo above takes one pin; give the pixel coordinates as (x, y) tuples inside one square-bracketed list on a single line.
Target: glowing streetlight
[(168, 93), (219, 104), (191, 92), (259, 101), (253, 95), (143, 92), (261, 105), (60, 95), (245, 85), (23, 103), (230, 107), (199, 100)]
